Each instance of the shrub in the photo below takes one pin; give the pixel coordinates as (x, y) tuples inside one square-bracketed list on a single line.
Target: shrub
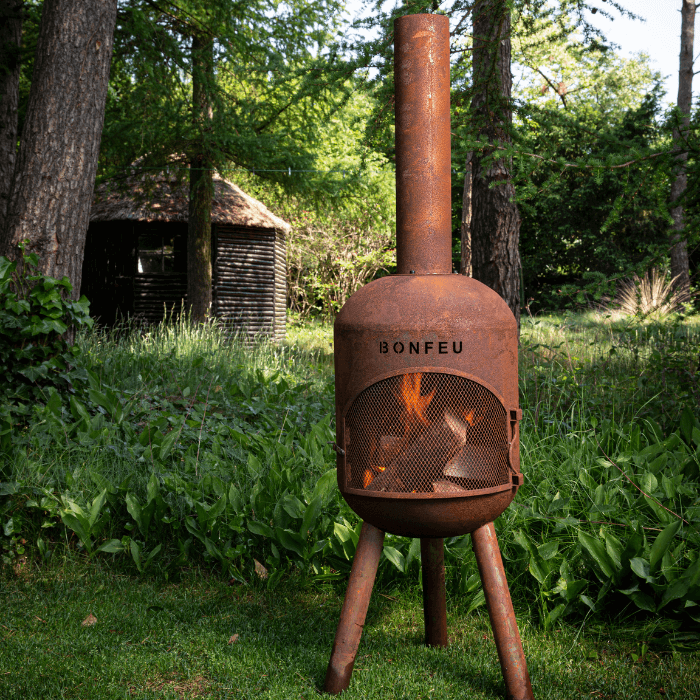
[(36, 358)]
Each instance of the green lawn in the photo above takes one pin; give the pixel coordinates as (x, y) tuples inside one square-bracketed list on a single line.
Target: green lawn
[(162, 640)]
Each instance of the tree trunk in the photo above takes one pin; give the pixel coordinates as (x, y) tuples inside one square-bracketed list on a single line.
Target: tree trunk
[(10, 41), (54, 177), (495, 222), (679, 250), (465, 267), (201, 183)]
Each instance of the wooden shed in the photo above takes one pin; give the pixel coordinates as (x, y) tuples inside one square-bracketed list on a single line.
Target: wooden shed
[(135, 260)]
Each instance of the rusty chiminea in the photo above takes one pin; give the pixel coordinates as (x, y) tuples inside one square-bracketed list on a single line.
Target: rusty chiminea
[(427, 382)]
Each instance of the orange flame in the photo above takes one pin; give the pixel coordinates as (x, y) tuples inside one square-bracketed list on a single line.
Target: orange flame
[(410, 396), (367, 479), (471, 419)]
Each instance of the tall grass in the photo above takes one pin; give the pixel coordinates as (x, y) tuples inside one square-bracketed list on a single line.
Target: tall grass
[(205, 448)]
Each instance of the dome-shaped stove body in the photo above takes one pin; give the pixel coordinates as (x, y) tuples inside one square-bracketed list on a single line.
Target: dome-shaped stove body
[(427, 404)]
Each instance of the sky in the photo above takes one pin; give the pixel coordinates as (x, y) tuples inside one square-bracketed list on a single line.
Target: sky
[(658, 35)]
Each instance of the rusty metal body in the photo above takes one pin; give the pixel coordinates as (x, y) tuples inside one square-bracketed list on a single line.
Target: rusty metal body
[(410, 324), (501, 614), (426, 382)]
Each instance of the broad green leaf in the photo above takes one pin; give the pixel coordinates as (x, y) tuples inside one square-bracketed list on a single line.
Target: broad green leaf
[(78, 410), (554, 615), (290, 540), (648, 483), (676, 590), (668, 486), (234, 498), (293, 506), (217, 508), (136, 554), (167, 444), (477, 601), (254, 465), (413, 552), (613, 547), (97, 504), (258, 528), (395, 557), (310, 515), (325, 484), (597, 550), (662, 543), (137, 513), (111, 547), (539, 568), (587, 601), (80, 527), (54, 404), (643, 601), (687, 424), (585, 478), (642, 569), (152, 489), (548, 550)]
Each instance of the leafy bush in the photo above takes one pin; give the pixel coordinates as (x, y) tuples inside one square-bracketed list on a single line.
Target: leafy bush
[(36, 359), (191, 449)]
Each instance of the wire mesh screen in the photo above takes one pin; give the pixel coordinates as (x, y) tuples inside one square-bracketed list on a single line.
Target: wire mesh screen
[(426, 433)]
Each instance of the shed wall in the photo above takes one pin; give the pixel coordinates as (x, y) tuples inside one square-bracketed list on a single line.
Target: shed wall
[(246, 274)]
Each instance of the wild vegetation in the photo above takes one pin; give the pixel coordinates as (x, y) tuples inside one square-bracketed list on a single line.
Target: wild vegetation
[(182, 447)]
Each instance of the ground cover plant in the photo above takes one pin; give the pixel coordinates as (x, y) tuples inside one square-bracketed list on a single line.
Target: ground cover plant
[(186, 450)]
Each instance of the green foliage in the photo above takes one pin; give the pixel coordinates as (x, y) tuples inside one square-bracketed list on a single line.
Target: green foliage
[(343, 221), (37, 363), (188, 448), (259, 89)]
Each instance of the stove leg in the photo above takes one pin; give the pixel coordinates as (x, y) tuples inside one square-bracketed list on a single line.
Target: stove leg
[(434, 604), (501, 613), (352, 616)]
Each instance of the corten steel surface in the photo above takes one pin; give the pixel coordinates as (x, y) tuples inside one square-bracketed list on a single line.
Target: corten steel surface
[(428, 325), (423, 165), (352, 616), (501, 614), (434, 602), (426, 370)]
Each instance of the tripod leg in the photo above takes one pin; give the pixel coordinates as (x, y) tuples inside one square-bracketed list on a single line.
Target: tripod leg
[(501, 613), (352, 616), (434, 605)]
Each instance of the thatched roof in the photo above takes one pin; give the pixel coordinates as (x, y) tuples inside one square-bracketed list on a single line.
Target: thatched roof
[(165, 196)]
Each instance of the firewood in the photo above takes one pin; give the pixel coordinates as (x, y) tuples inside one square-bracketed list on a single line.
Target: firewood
[(444, 486), (465, 464), (457, 426), (422, 459)]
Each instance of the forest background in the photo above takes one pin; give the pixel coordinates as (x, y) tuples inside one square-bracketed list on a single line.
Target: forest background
[(295, 106)]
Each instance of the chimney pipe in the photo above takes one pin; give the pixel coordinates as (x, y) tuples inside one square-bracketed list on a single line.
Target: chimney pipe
[(423, 164)]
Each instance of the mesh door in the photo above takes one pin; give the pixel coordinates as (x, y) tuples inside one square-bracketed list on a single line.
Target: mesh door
[(426, 433)]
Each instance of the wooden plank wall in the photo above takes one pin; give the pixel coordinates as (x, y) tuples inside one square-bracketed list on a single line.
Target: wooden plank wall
[(280, 288), (158, 294), (245, 273)]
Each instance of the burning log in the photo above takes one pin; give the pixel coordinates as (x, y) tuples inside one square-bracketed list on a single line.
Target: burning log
[(407, 457)]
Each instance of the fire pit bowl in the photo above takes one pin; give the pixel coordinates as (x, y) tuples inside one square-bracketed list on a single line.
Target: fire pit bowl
[(426, 404)]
